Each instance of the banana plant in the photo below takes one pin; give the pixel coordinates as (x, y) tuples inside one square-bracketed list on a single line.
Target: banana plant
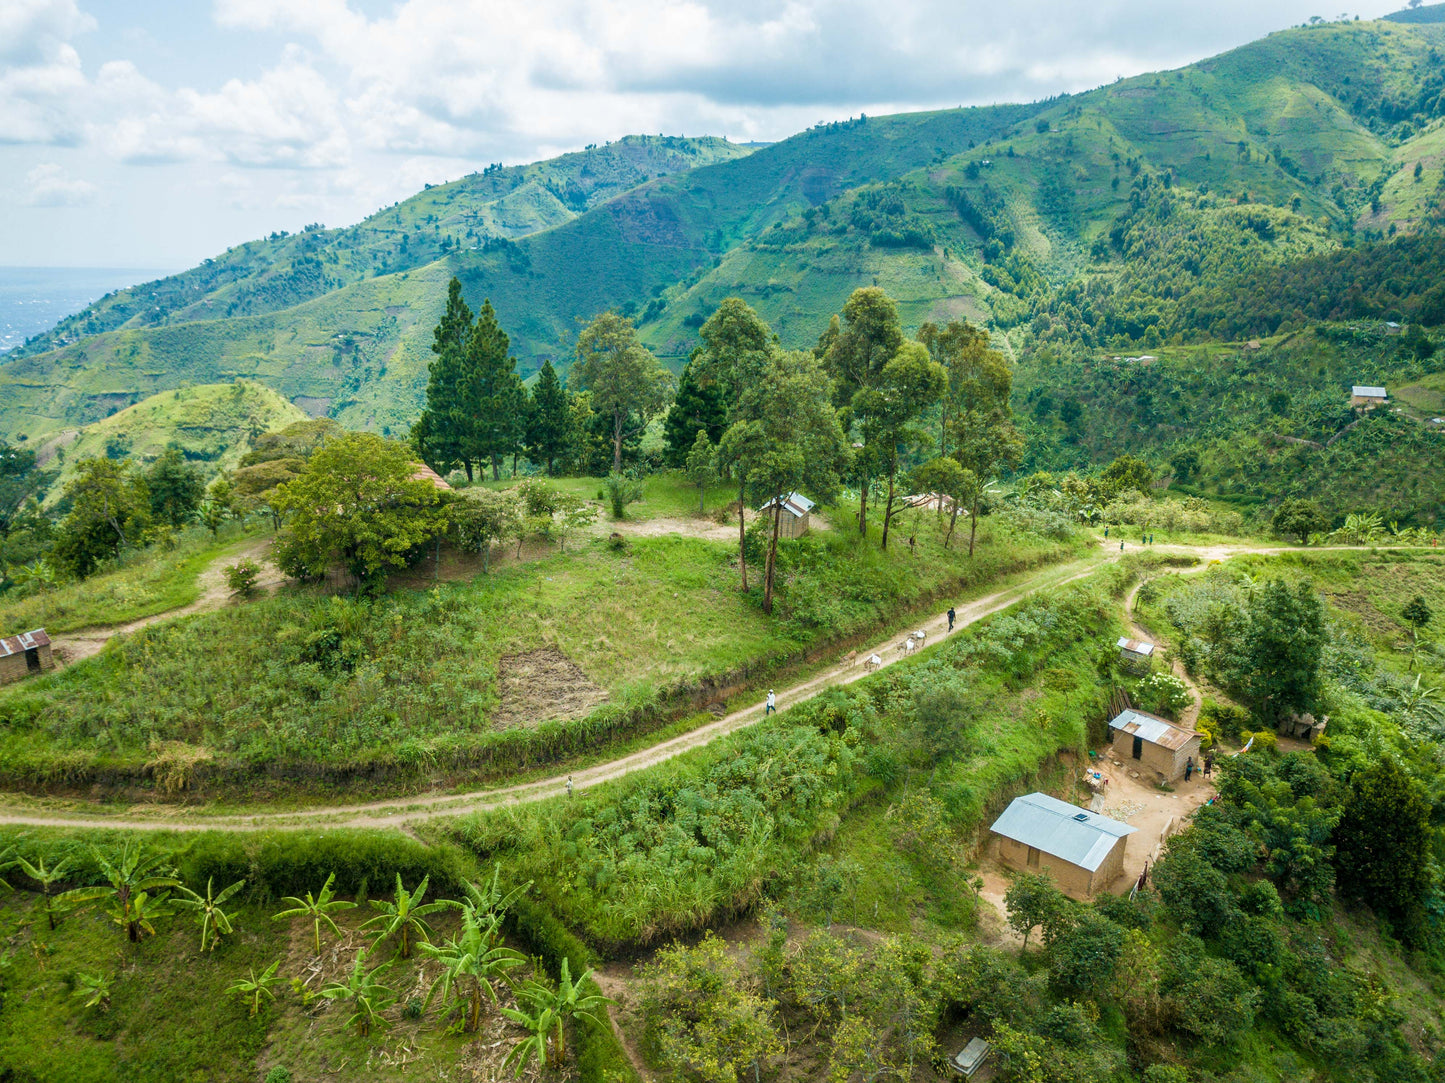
[(47, 877), (317, 909), (471, 966), (214, 921), (95, 988), (131, 877), (564, 1004), (369, 996), (256, 985), (405, 915), (540, 1022)]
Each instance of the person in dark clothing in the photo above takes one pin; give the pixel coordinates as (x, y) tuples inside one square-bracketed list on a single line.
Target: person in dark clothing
[(950, 618), (1188, 768), (1208, 764)]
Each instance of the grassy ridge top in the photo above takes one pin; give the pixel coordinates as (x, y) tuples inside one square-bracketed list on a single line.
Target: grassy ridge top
[(212, 424)]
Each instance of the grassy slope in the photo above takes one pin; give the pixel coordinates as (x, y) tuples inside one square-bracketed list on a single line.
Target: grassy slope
[(211, 424), (244, 683), (147, 583)]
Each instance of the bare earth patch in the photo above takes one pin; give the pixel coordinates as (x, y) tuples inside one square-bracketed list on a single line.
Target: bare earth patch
[(540, 685)]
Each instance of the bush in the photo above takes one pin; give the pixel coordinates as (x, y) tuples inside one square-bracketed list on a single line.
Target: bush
[(1264, 740), (241, 577), (621, 491), (1224, 719), (279, 1074), (1163, 693)]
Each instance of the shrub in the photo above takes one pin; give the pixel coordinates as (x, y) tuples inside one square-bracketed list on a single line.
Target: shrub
[(621, 491), (279, 1074), (1163, 693), (241, 577), (1224, 719), (1264, 740)]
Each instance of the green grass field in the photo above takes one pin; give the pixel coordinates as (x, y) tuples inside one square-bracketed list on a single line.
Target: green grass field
[(153, 581)]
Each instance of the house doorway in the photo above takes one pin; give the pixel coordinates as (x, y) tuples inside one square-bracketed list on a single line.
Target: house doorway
[(32, 660), (1033, 859), (1138, 748)]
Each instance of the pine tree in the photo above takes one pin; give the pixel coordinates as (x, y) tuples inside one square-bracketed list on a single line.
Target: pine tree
[(440, 433), (550, 433), (698, 406), (497, 401)]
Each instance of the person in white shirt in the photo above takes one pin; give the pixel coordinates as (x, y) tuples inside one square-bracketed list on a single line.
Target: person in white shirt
[(772, 704)]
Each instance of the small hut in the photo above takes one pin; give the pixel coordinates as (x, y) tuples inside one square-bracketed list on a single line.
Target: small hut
[(796, 509), (1367, 396), (1135, 651), (1081, 850), (25, 654), (1160, 746)]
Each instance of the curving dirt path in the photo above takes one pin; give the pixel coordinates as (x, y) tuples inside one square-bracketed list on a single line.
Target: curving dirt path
[(399, 813), (73, 646)]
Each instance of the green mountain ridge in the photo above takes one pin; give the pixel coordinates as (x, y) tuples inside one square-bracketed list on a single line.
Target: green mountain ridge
[(1018, 216)]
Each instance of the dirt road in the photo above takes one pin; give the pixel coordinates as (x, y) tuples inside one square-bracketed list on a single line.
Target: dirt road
[(397, 813)]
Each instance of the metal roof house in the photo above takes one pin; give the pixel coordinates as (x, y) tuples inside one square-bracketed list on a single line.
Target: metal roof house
[(1081, 850), (25, 654), (794, 520), (1158, 745), (1135, 650), (1367, 395)]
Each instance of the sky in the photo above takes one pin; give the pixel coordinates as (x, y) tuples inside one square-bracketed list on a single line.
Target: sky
[(156, 133)]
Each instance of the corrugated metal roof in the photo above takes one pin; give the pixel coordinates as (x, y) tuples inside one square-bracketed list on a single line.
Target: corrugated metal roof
[(1152, 728), (1060, 829), (23, 642), (1138, 646), (795, 503), (426, 473), (1365, 392)]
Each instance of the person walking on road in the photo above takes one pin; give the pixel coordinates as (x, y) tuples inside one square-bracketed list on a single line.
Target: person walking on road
[(772, 704), (569, 785), (950, 618)]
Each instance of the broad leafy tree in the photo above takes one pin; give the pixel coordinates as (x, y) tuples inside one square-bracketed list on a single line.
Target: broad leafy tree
[(1384, 840), (1279, 661), (357, 504), (985, 443), (792, 440), (854, 350), (1299, 518), (1032, 900), (46, 877), (978, 375), (628, 385), (956, 486), (176, 489), (109, 510), (910, 384)]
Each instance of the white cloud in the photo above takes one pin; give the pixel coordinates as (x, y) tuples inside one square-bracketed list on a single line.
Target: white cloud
[(48, 185), (40, 72)]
